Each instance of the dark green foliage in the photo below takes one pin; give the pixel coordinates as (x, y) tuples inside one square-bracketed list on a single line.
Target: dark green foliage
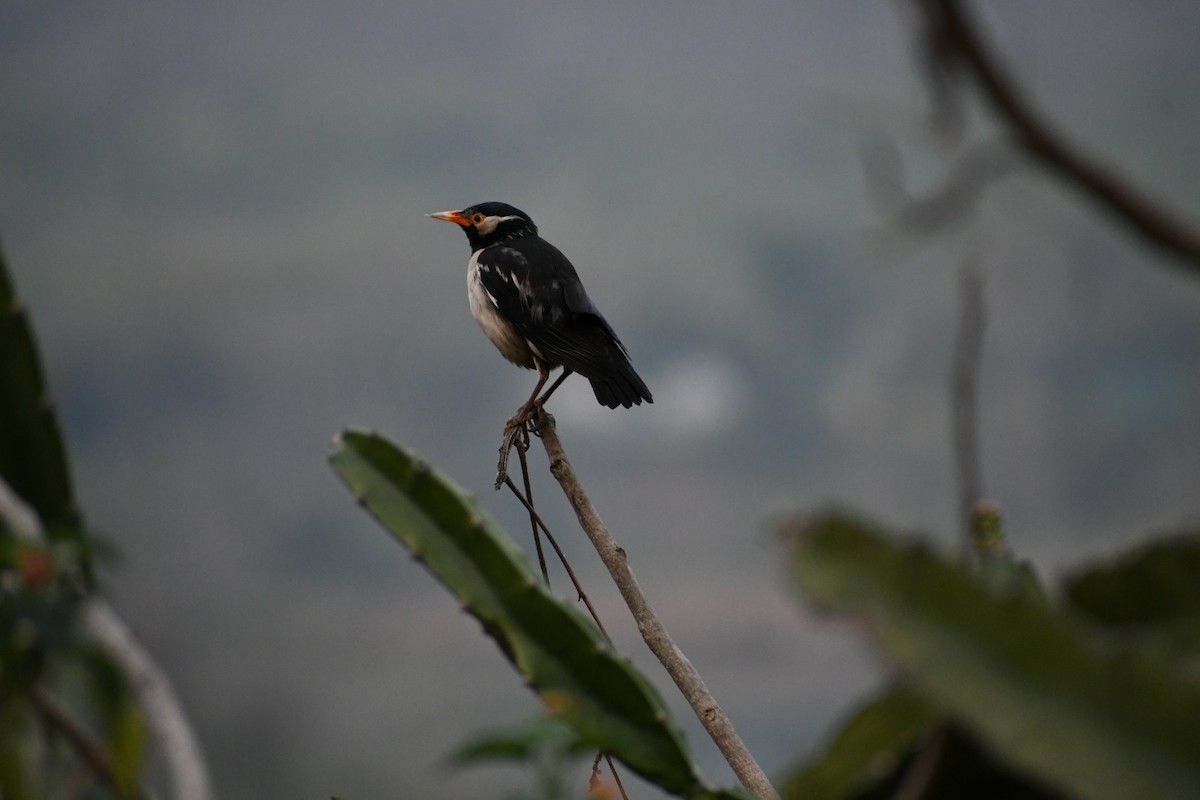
[(523, 743), (1151, 595), (33, 459), (1038, 688), (548, 745), (868, 750)]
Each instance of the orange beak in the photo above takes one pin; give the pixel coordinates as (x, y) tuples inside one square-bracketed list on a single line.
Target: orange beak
[(451, 216)]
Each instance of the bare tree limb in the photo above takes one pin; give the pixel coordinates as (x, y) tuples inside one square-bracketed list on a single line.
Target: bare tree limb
[(952, 40), (649, 625)]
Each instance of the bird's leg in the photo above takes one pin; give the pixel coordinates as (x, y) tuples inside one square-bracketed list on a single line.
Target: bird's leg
[(526, 410), (538, 404), (541, 401)]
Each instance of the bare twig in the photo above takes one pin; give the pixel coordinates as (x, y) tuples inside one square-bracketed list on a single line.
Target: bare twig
[(518, 437), (537, 520), (952, 40), (964, 400), (616, 776), (522, 445), (596, 786), (649, 625)]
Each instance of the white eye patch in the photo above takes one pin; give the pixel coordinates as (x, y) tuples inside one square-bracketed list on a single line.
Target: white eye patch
[(489, 223)]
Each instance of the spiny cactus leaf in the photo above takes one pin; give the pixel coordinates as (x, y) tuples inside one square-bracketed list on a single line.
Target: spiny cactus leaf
[(1151, 594), (868, 748), (33, 459), (562, 655), (1040, 689)]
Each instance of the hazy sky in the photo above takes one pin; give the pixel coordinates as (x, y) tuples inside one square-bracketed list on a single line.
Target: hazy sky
[(216, 212)]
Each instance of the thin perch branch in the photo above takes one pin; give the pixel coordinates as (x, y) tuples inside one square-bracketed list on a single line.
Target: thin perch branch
[(649, 625), (518, 437), (522, 445)]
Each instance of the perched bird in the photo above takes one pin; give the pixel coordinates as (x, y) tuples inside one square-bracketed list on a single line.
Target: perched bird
[(529, 301)]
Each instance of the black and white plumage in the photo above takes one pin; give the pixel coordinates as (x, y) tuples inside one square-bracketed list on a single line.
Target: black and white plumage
[(529, 301)]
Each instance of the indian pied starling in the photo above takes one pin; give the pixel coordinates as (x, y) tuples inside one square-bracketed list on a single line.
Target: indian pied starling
[(529, 301)]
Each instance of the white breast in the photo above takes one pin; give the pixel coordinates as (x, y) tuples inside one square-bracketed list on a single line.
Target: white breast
[(508, 341)]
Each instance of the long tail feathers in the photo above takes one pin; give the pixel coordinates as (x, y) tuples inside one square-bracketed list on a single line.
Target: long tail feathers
[(621, 388)]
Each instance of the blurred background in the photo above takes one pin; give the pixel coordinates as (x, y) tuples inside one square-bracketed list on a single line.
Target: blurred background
[(215, 213)]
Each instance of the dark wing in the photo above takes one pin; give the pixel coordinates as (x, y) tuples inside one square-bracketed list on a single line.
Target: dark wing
[(537, 290)]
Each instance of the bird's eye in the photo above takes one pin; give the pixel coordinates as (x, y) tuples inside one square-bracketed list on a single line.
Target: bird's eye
[(476, 218)]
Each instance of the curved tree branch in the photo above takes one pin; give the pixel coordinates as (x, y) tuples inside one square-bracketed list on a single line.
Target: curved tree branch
[(649, 625), (953, 42)]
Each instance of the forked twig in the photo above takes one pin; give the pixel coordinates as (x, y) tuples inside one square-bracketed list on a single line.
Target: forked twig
[(518, 436), (522, 444), (582, 595), (685, 676)]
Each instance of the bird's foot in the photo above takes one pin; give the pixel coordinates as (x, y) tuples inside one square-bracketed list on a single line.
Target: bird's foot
[(536, 417), (524, 415), (528, 420)]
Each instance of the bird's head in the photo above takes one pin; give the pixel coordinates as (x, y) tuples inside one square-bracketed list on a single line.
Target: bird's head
[(488, 223)]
